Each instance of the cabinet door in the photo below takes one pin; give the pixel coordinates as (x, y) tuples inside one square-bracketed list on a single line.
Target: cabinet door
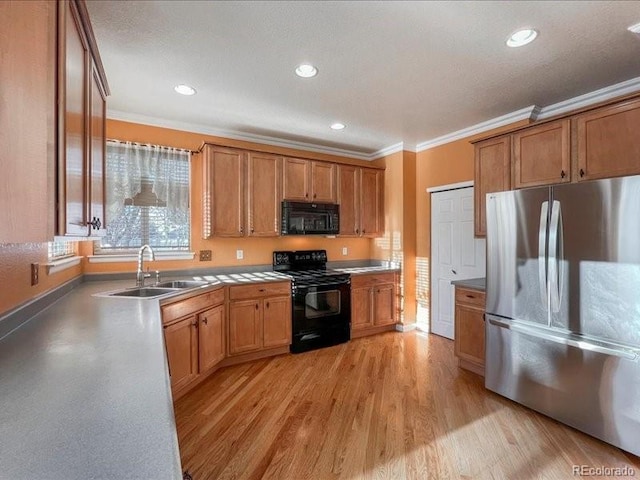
[(264, 194), (27, 120), (541, 155), (245, 326), (469, 333), (492, 174), (296, 179), (361, 303), (97, 149), (608, 141), (371, 202), (349, 200), (384, 304), (211, 338), (323, 182), (181, 340), (277, 321), (223, 204), (74, 60)]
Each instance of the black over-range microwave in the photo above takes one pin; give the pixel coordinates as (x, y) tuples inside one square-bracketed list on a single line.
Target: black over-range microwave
[(301, 218)]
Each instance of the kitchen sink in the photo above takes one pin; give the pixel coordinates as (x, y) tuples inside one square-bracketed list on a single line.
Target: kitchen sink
[(143, 292), (182, 284)]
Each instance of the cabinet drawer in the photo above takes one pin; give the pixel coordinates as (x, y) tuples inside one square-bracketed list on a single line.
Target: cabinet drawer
[(370, 280), (259, 290), (191, 305), (470, 297)]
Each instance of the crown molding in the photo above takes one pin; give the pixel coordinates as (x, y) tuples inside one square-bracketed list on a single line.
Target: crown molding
[(522, 114), (391, 149), (597, 96), (247, 137), (538, 113)]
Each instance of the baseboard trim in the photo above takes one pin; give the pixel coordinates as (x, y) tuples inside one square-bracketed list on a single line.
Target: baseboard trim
[(406, 327)]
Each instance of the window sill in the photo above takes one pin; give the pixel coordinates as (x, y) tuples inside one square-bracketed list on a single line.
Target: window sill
[(55, 266), (133, 257)]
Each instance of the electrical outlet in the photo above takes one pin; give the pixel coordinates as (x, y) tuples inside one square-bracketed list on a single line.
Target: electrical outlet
[(205, 255), (345, 251), (239, 254), (35, 268)]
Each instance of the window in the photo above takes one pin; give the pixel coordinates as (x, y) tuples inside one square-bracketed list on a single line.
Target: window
[(58, 250), (147, 198)]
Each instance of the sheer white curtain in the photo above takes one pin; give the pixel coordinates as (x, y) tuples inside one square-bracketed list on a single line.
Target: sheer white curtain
[(147, 196)]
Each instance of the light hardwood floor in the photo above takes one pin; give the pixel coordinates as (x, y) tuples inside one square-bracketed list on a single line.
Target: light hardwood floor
[(391, 406)]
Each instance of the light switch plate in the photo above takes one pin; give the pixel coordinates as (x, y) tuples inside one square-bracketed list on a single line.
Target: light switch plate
[(205, 255), (239, 254), (345, 251)]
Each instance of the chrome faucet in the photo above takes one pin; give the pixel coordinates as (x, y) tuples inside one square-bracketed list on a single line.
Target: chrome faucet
[(140, 274)]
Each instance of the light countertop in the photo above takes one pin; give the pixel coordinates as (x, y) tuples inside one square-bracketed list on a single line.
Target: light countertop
[(472, 283), (85, 385)]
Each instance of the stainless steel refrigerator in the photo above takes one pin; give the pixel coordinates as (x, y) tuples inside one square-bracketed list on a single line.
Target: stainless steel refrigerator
[(563, 304)]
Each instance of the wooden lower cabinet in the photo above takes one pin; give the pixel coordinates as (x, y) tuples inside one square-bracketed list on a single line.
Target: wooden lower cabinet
[(211, 337), (276, 322), (195, 338), (469, 329), (181, 340), (373, 303), (245, 326), (259, 323)]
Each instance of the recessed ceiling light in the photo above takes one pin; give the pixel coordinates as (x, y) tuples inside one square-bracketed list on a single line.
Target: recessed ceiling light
[(635, 28), (185, 89), (522, 37), (306, 70), (338, 126)]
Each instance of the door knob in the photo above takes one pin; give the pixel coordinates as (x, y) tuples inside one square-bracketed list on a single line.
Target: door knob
[(454, 272)]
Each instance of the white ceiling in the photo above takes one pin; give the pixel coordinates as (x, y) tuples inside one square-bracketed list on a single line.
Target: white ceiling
[(392, 71)]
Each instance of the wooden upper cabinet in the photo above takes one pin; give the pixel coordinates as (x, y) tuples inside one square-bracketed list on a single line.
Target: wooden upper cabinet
[(309, 181), (264, 194), (371, 202), (27, 120), (73, 162), (492, 174), (211, 338), (223, 192), (277, 321), (542, 155), (97, 141), (608, 141), (323, 182), (296, 179), (82, 92), (349, 200)]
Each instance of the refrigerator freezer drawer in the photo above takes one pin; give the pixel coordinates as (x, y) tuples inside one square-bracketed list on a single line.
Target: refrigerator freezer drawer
[(592, 389)]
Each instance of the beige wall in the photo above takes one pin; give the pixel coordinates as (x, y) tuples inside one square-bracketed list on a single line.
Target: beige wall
[(15, 274), (257, 251), (398, 242), (443, 165)]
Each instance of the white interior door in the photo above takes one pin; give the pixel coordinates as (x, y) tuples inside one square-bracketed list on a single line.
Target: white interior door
[(455, 253)]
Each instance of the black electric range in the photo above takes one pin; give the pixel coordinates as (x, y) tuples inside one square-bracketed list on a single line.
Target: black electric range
[(321, 303)]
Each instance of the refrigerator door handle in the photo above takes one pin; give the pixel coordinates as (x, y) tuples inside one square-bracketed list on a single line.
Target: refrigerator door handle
[(542, 252), (564, 339), (556, 255)]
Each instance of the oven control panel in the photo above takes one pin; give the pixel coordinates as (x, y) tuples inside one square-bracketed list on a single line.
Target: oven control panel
[(301, 259)]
